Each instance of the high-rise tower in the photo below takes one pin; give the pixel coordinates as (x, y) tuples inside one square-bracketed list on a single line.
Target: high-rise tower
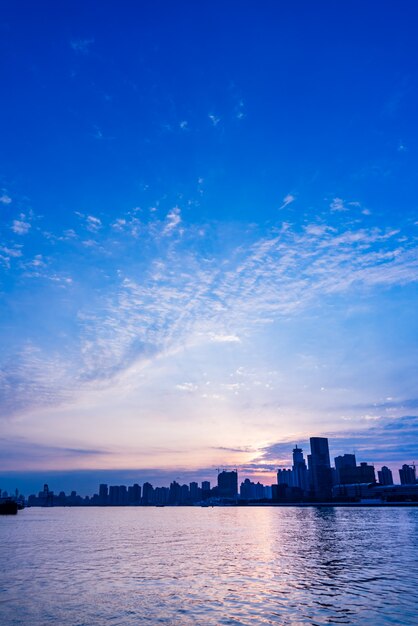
[(300, 471), (320, 468)]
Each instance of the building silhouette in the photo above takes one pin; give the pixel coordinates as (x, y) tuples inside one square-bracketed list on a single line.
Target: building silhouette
[(345, 466), (161, 495), (385, 476), (300, 471), (320, 468), (347, 472), (228, 484), (407, 475), (103, 494), (205, 490), (195, 492), (315, 483), (252, 491), (134, 494), (285, 477), (147, 493)]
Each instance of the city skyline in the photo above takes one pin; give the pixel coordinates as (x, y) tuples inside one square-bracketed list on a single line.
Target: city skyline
[(207, 252), (305, 474)]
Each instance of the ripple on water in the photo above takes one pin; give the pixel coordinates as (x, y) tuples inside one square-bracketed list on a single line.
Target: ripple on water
[(210, 566)]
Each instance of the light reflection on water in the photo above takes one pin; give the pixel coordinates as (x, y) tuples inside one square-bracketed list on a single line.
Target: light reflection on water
[(179, 566)]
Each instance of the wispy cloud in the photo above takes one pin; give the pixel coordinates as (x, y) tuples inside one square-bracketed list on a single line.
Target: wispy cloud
[(337, 205), (82, 46), (5, 199), (179, 295), (288, 199), (389, 440), (32, 378), (20, 227), (93, 223), (173, 220), (214, 119)]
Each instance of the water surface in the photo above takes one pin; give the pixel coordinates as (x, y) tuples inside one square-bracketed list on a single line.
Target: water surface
[(180, 566)]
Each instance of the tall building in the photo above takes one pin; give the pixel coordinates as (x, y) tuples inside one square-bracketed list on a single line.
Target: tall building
[(184, 494), (194, 491), (134, 494), (147, 493), (285, 477), (228, 484), (161, 495), (320, 468), (408, 475), (123, 495), (113, 495), (205, 490), (252, 491), (385, 476), (300, 471), (345, 466), (175, 493), (366, 473), (247, 490), (348, 473), (103, 494)]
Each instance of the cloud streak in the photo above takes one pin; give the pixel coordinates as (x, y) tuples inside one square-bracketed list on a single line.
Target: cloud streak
[(179, 296)]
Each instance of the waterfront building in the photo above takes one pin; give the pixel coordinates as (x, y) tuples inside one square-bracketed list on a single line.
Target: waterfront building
[(134, 494), (385, 476), (103, 494), (113, 495), (320, 468), (247, 490), (347, 472), (175, 493), (161, 495), (205, 490), (366, 473), (285, 477), (147, 493), (345, 466), (300, 471), (123, 495), (408, 475), (194, 491), (228, 484), (184, 494)]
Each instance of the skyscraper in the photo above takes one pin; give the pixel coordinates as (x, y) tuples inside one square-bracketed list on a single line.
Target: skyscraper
[(320, 468), (228, 484), (385, 476), (285, 477), (300, 471), (147, 493), (205, 490), (175, 493), (194, 491), (103, 494), (408, 474), (345, 469)]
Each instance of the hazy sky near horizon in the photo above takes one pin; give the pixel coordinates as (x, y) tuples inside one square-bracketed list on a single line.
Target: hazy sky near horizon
[(209, 233)]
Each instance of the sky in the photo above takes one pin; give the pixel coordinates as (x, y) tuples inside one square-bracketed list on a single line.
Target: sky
[(209, 237)]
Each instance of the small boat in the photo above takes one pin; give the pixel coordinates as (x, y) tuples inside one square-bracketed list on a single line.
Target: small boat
[(8, 507)]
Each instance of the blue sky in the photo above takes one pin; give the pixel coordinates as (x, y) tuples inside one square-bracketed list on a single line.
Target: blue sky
[(209, 230)]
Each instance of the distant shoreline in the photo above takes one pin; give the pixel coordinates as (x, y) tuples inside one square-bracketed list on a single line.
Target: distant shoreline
[(302, 505)]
